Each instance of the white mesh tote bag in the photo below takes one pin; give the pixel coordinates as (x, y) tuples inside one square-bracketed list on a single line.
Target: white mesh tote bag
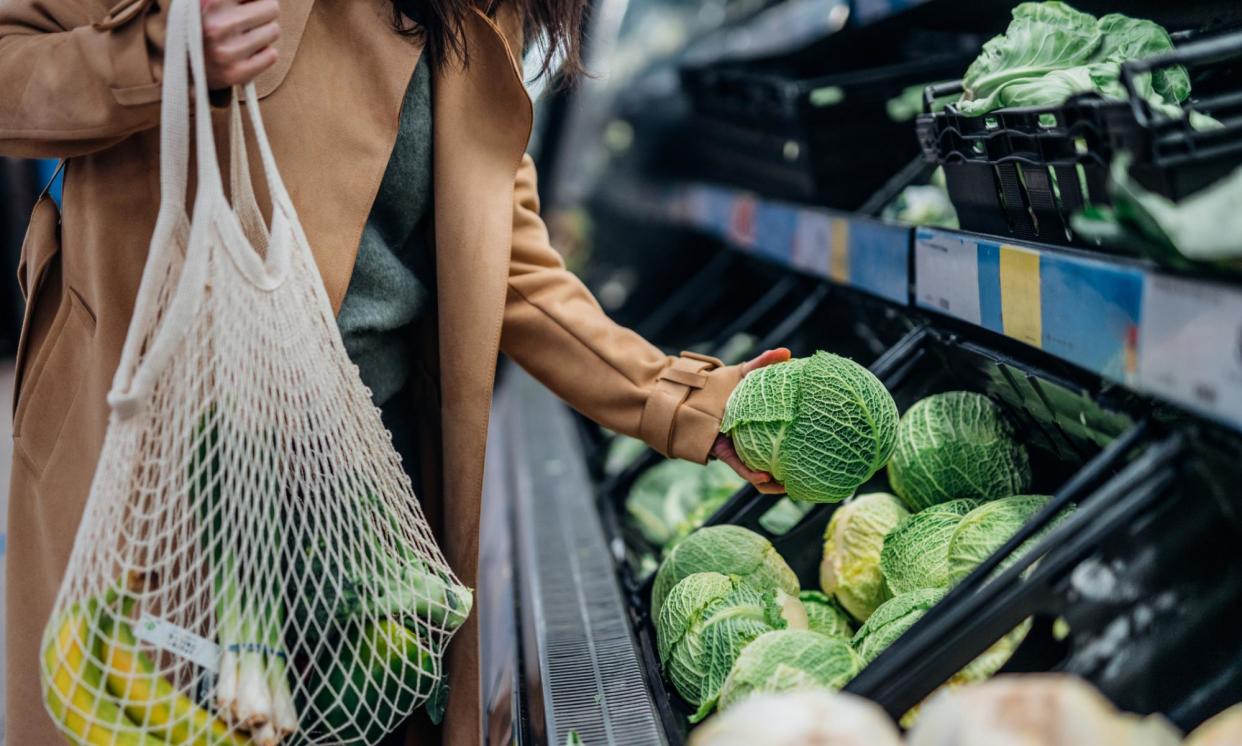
[(252, 565)]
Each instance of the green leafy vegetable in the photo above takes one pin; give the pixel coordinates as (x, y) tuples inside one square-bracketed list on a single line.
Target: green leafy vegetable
[(783, 516), (924, 204), (1042, 38), (707, 620), (892, 619), (899, 614), (916, 553), (956, 445), (985, 529), (731, 550), (622, 451), (850, 570), (1051, 52), (1204, 229), (821, 425), (787, 661), (673, 498), (825, 616)]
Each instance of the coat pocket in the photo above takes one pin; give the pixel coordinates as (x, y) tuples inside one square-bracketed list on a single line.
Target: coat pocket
[(40, 250), (51, 384)]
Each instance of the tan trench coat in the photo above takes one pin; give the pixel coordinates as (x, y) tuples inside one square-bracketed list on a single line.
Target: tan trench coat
[(80, 80)]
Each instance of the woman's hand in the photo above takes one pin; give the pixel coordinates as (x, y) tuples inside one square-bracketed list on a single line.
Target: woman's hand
[(723, 447), (237, 38)]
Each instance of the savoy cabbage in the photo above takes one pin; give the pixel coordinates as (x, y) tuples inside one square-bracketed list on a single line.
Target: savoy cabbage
[(820, 425)]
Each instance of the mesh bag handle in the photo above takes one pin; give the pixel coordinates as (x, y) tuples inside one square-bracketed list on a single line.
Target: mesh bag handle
[(252, 565), (140, 366)]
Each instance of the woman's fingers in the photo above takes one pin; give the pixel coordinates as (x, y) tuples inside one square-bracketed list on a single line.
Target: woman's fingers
[(224, 20), (237, 37), (723, 450), (252, 42), (243, 72), (779, 355)]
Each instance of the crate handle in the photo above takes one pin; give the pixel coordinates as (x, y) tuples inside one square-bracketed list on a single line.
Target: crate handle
[(938, 90), (1204, 52)]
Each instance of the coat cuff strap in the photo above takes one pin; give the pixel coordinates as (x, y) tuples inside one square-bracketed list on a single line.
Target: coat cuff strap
[(683, 411)]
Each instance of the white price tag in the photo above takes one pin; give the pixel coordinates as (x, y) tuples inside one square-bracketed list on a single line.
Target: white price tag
[(946, 275), (1190, 345), (178, 641), (812, 242)]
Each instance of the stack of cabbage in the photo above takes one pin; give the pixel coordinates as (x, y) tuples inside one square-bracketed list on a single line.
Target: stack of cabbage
[(730, 618), (959, 476), (731, 622)]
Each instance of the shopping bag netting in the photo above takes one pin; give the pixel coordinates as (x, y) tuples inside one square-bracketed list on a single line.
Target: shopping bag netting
[(252, 565)]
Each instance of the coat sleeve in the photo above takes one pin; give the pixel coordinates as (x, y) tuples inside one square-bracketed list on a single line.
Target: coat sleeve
[(557, 331), (77, 76)]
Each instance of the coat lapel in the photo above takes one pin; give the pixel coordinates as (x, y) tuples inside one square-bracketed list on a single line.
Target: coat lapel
[(482, 120), (482, 123)]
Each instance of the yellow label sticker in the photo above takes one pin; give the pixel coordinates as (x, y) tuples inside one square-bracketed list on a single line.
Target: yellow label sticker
[(839, 259), (1021, 313)]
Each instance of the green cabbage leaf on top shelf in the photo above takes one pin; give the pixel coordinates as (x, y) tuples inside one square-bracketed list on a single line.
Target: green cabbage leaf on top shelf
[(1050, 52), (821, 425), (730, 550), (787, 661), (707, 621), (956, 445)]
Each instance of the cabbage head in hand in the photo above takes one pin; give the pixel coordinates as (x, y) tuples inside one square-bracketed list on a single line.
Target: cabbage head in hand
[(821, 425)]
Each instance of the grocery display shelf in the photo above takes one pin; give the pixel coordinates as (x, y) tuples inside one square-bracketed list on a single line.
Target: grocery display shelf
[(1172, 337)]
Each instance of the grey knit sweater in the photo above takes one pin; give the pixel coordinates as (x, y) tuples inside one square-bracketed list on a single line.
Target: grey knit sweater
[(393, 278)]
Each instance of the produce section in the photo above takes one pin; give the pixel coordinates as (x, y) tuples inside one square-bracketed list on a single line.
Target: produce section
[(1007, 450)]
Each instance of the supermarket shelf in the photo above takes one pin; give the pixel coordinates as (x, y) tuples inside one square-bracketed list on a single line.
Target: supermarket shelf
[(850, 250), (1175, 338)]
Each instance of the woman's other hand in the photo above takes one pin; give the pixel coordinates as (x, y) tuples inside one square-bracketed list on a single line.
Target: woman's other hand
[(238, 38), (723, 447)]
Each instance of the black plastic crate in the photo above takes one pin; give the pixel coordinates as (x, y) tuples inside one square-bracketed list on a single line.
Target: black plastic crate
[(1141, 578), (1024, 172), (1066, 420), (817, 138)]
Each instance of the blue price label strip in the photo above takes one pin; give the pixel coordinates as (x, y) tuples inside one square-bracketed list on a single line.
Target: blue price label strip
[(879, 259)]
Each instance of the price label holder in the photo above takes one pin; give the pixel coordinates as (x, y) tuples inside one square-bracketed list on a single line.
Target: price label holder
[(1190, 346), (812, 244), (946, 274)]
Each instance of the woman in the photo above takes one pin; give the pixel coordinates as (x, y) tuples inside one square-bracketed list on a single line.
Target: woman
[(402, 146)]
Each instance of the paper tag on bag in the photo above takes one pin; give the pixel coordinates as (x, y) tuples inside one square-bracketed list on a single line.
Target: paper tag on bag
[(178, 641)]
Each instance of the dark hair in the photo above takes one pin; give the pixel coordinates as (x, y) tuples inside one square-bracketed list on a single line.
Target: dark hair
[(557, 23)]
